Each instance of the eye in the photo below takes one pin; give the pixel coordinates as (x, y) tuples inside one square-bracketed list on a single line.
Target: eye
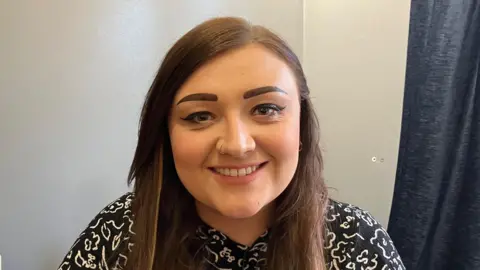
[(199, 117), (267, 109)]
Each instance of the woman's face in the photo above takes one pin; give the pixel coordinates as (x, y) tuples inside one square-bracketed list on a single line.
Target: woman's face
[(234, 130)]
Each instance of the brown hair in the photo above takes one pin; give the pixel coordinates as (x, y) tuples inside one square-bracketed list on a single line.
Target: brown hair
[(163, 210)]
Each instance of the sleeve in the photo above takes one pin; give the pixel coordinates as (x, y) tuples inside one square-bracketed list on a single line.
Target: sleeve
[(103, 236), (355, 240)]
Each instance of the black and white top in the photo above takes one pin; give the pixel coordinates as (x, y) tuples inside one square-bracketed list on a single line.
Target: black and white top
[(355, 240)]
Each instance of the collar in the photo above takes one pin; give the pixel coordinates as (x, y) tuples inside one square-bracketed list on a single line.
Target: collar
[(224, 253)]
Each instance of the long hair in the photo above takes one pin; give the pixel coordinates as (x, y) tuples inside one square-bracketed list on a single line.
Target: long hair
[(163, 211)]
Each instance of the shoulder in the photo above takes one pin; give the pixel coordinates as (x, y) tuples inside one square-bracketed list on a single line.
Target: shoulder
[(356, 240), (106, 232)]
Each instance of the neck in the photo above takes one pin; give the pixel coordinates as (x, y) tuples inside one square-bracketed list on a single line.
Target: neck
[(241, 230)]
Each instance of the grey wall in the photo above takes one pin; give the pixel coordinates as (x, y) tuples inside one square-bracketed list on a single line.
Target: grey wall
[(355, 60), (73, 75)]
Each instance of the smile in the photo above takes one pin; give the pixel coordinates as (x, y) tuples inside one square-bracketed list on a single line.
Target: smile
[(237, 171)]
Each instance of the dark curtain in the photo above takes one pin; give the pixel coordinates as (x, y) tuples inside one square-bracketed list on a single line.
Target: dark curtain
[(435, 217)]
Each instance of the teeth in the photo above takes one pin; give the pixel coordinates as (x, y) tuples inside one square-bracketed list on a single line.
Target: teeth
[(236, 172)]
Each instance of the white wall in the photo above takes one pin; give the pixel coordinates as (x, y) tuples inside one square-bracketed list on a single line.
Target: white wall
[(355, 60), (73, 75)]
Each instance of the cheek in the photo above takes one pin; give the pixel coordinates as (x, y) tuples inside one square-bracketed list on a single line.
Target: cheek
[(189, 150), (282, 142)]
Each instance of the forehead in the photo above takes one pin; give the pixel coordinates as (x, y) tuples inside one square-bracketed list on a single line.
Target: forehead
[(239, 70)]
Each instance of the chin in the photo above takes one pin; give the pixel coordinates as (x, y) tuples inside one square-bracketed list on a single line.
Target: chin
[(240, 211)]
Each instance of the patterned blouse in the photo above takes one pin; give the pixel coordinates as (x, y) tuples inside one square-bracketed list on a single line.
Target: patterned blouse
[(355, 240)]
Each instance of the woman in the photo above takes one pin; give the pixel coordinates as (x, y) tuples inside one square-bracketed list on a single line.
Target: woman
[(228, 170)]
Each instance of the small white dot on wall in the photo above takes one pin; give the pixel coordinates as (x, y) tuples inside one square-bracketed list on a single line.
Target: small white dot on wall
[(374, 159)]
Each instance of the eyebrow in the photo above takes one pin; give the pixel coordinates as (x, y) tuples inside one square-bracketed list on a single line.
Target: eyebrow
[(262, 90), (249, 94), (199, 97)]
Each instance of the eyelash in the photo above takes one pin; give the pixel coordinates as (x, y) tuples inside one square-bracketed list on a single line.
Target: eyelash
[(193, 118), (277, 109)]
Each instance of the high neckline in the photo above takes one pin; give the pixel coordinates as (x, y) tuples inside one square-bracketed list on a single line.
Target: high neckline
[(224, 253)]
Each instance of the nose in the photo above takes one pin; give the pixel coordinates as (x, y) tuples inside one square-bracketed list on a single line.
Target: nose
[(236, 140)]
